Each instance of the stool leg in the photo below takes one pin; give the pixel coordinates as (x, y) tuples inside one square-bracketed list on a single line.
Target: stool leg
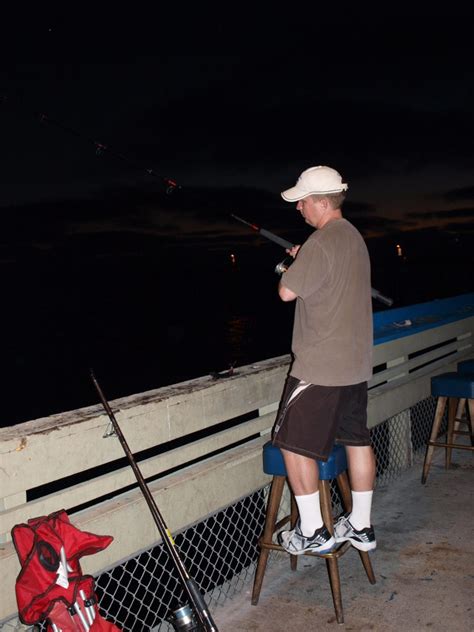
[(331, 562), (343, 483), (294, 518), (452, 407), (345, 489), (460, 418), (470, 419), (273, 505), (460, 409), (440, 406), (335, 581), (463, 416), (325, 502), (365, 558)]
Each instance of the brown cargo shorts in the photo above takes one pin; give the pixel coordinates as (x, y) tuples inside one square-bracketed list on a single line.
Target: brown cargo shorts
[(312, 418)]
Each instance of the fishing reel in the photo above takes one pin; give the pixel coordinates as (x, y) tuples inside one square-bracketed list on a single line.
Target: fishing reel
[(283, 265), (183, 620)]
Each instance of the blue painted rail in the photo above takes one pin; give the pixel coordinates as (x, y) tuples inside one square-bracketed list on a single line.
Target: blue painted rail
[(406, 321)]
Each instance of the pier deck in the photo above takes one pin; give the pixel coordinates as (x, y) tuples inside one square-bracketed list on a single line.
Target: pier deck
[(424, 565)]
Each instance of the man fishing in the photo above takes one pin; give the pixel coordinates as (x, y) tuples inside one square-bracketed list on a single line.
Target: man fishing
[(325, 395)]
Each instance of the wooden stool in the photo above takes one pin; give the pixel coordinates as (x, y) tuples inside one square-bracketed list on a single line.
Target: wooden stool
[(456, 389), (334, 468)]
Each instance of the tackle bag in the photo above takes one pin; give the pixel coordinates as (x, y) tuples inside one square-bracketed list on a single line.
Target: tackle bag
[(50, 584)]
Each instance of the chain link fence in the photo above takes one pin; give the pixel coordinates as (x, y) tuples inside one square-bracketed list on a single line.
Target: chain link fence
[(221, 552)]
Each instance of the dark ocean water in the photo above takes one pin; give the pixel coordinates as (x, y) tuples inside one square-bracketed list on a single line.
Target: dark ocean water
[(144, 317)]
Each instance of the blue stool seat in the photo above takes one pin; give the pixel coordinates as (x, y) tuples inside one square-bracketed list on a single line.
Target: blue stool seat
[(466, 366), (453, 385), (455, 389), (274, 464)]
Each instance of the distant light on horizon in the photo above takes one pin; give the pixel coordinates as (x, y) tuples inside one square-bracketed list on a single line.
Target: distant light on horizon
[(232, 258), (399, 250)]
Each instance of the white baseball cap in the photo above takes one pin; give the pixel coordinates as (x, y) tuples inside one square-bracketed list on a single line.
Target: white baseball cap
[(315, 181)]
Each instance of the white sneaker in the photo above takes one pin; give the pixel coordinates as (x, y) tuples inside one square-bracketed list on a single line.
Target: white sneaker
[(296, 543)]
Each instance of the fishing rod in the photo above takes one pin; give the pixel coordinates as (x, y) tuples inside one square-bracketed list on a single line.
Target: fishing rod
[(100, 148), (182, 618), (285, 264)]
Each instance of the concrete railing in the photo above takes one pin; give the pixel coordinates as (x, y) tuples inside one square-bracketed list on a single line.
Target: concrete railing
[(203, 438)]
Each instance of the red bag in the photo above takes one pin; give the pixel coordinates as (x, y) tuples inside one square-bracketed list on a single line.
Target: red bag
[(44, 588)]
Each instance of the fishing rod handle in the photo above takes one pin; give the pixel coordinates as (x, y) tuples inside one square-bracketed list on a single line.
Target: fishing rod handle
[(201, 605)]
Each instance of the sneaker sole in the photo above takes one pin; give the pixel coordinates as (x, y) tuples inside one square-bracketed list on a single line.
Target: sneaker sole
[(328, 547), (360, 546)]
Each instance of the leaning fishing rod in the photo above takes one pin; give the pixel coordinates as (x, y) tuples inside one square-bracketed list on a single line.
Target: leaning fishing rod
[(183, 618), (285, 264)]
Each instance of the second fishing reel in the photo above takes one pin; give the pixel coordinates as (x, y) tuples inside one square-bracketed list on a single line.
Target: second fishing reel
[(183, 620)]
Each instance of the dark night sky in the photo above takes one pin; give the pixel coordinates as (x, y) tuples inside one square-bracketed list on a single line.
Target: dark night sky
[(241, 101), (100, 267)]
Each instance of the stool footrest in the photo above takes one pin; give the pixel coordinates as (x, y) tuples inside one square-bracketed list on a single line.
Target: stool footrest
[(457, 446), (337, 552)]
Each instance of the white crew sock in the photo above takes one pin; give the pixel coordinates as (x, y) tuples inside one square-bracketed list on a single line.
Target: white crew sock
[(361, 508), (310, 513)]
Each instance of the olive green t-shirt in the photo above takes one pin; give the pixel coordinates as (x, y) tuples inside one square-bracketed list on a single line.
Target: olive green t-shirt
[(332, 332)]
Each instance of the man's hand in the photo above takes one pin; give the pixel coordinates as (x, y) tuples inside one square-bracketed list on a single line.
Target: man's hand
[(293, 251)]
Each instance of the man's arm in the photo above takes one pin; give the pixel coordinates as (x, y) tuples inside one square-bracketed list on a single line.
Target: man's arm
[(285, 293)]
